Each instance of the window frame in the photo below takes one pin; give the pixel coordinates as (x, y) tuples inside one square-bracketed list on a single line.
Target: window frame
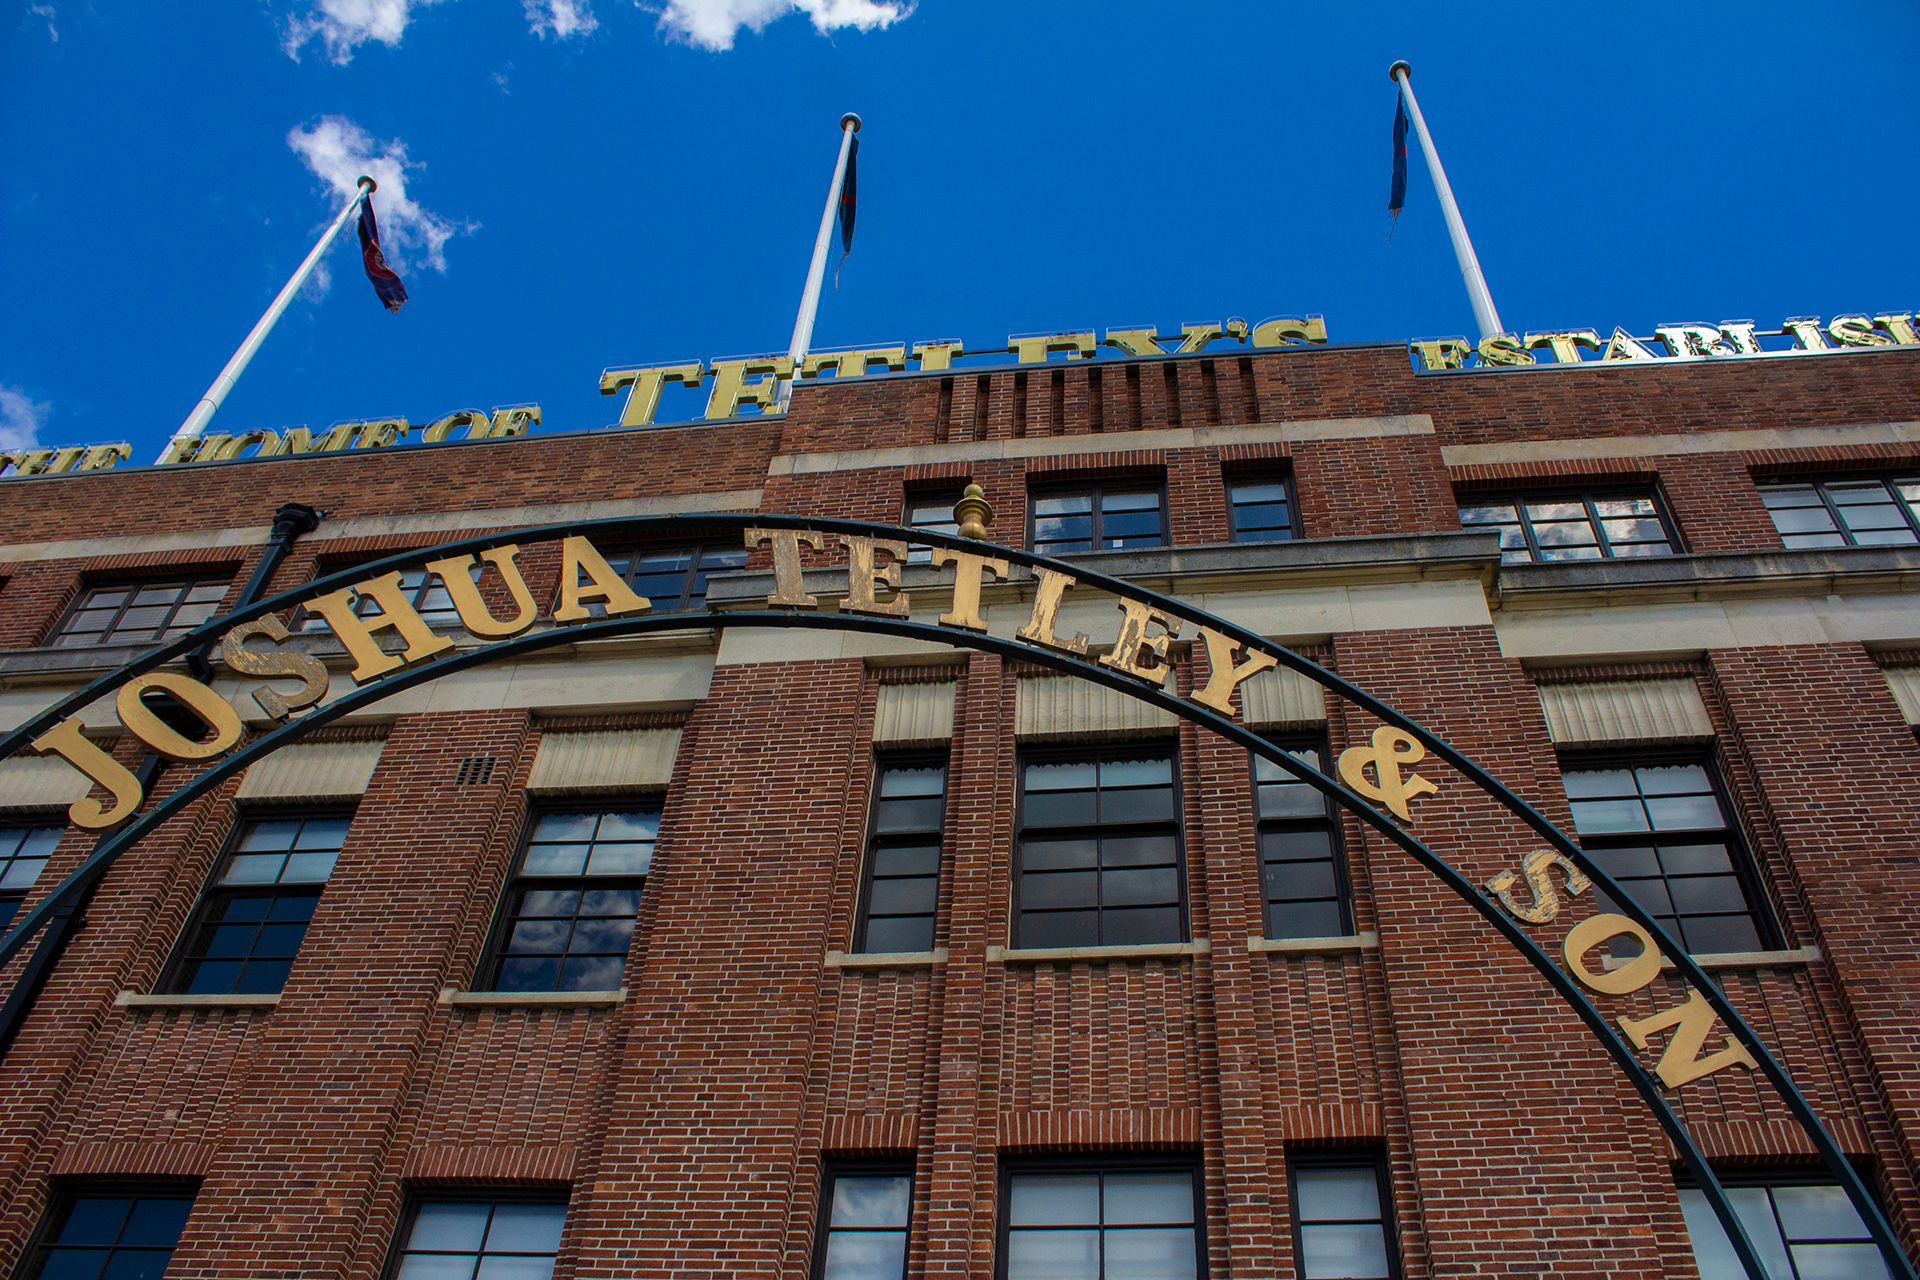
[(173, 976), (698, 546), (133, 586), (831, 1171), (419, 1195), (28, 822), (920, 553), (1770, 1177), (1184, 1162), (882, 762), (494, 955), (1587, 495), (1746, 869), (1095, 489), (1313, 1158), (1048, 753), (1331, 817), (1282, 476), (62, 1196), (1819, 483)]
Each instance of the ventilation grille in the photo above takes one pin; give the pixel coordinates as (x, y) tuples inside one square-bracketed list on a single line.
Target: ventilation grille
[(474, 771)]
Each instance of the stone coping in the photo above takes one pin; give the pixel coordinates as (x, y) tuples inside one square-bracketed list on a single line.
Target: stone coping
[(134, 1000), (455, 996), (885, 959), (1365, 940), (1097, 955)]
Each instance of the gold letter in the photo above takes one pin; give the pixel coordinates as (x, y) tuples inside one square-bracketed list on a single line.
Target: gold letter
[(474, 420), (967, 568), (1856, 331), (1222, 676), (1133, 638), (789, 584), (731, 388), (1036, 349), (1197, 337), (646, 382), (1546, 901), (514, 422), (1290, 331), (1806, 333), (1901, 324), (456, 572), (1503, 349), (244, 661), (862, 575), (853, 364), (396, 611), (1135, 342), (1442, 353), (937, 355), (102, 456), (576, 553), (1631, 976), (1691, 1022), (1565, 343), (1048, 588), (214, 710), (1386, 757), (66, 740), (1625, 346), (178, 451)]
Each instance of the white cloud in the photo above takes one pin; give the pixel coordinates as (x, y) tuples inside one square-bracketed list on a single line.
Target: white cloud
[(712, 24), (345, 25), (21, 417), (46, 11), (563, 18), (339, 151)]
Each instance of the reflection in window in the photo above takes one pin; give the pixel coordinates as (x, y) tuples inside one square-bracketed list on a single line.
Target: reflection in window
[(931, 510), (1340, 1222), (567, 920), (250, 924), (903, 860), (1662, 832), (673, 579), (1097, 518), (23, 856), (1102, 1225), (1572, 525), (1300, 874), (866, 1233), (482, 1240), (1099, 850), (139, 612), (122, 1237), (1261, 508), (1845, 513), (1802, 1230), (423, 590)]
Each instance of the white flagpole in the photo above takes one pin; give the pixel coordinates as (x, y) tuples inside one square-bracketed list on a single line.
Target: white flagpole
[(210, 403), (1483, 312), (810, 297)]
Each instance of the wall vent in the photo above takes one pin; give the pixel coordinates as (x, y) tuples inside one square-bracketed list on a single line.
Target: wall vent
[(474, 771)]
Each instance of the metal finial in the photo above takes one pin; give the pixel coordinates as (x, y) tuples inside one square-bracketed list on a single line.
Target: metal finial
[(973, 513)]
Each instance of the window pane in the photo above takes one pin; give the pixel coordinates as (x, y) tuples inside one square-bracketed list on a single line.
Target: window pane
[(1060, 929), (1593, 816), (1304, 920), (871, 1202), (1149, 1197), (1053, 1255), (1711, 1251), (514, 1267), (1337, 1193), (1153, 1253), (526, 1228), (437, 1266), (1343, 1250), (1054, 1199), (1818, 1213), (903, 897), (899, 933), (865, 1255), (94, 1221), (1139, 926)]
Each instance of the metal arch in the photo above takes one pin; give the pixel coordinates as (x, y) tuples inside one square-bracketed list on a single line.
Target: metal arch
[(1837, 1164)]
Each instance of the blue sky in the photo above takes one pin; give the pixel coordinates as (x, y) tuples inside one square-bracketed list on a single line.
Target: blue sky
[(595, 182)]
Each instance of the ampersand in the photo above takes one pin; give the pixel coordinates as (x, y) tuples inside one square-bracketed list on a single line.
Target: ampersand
[(1391, 749)]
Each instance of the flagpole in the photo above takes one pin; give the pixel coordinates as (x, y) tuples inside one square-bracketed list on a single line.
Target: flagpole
[(1483, 313), (810, 296), (210, 402)]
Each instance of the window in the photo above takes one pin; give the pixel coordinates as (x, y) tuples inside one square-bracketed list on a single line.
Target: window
[(1572, 524), (423, 590), (1845, 513), (933, 510), (139, 612), (1802, 1227), (481, 1240), (673, 579), (250, 924), (1099, 849), (1260, 508), (1341, 1226), (567, 922), (1097, 518), (864, 1236), (128, 1236), (1141, 1223), (1301, 877), (903, 857), (23, 856), (1662, 831)]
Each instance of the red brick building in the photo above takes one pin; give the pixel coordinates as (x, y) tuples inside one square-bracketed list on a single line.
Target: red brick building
[(756, 953)]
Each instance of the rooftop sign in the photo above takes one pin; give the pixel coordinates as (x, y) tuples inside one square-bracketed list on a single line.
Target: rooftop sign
[(1799, 336)]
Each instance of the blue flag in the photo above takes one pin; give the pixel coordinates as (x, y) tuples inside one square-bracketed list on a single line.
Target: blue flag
[(847, 208), (1397, 195)]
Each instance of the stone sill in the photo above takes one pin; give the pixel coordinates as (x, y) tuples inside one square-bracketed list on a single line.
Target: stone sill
[(1366, 940), (1731, 959), (134, 1000), (1820, 571), (1095, 955), (885, 959), (455, 996)]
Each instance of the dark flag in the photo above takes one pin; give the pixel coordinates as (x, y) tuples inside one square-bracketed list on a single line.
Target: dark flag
[(1397, 195), (385, 282), (847, 208)]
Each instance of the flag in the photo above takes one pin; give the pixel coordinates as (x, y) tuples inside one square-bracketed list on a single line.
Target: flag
[(847, 206), (385, 282), (1397, 194)]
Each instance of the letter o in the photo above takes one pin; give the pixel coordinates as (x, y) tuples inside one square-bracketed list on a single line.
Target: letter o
[(213, 709), (1631, 976)]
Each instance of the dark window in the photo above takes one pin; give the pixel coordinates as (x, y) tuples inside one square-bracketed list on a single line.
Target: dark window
[(1663, 832), (1301, 878), (1261, 508), (903, 856), (864, 1231), (933, 510), (250, 924), (567, 924), (1099, 849), (1845, 513), (1573, 524), (1341, 1223), (1803, 1227), (1097, 518), (672, 579), (481, 1240), (423, 590), (1136, 1222), (130, 1236), (139, 612), (23, 856)]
